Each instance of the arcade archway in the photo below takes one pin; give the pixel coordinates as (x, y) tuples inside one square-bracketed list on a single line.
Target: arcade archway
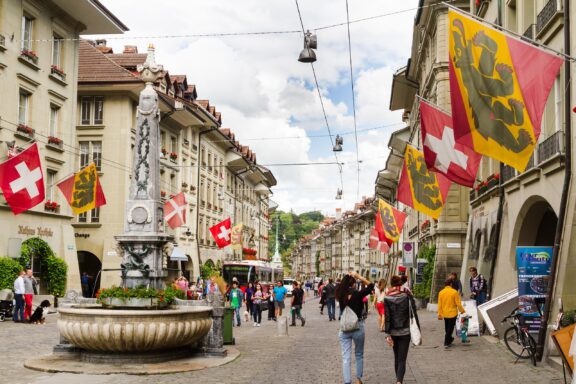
[(90, 268)]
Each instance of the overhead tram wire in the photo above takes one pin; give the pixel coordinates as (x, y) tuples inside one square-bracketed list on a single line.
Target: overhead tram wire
[(353, 103), (236, 34), (322, 103)]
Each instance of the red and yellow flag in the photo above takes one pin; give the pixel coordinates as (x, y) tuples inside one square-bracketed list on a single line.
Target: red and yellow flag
[(498, 87), (389, 222), (83, 190), (419, 188)]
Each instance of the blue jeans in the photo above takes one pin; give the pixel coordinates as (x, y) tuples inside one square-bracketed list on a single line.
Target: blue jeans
[(346, 339), (331, 304), (18, 314), (480, 298), (237, 315)]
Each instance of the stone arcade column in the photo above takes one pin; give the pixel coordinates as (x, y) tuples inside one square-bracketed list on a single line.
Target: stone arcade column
[(143, 240)]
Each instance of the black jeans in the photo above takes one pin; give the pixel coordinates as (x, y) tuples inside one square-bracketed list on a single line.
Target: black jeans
[(271, 314), (257, 312), (449, 324), (401, 346)]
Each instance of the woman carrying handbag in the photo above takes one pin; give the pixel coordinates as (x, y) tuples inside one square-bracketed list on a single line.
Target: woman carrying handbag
[(352, 323), (400, 324)]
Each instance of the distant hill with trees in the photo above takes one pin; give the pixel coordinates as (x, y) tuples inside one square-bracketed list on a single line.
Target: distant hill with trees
[(291, 228)]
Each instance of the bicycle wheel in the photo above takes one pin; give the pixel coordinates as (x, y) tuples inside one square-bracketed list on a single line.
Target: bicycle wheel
[(529, 345), (514, 343)]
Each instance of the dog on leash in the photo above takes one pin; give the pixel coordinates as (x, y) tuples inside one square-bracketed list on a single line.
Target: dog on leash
[(246, 316), (39, 315)]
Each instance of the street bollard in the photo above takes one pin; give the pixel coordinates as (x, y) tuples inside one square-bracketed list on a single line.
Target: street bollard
[(282, 325)]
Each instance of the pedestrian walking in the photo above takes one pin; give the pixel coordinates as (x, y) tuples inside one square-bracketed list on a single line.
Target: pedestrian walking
[(18, 315), (296, 305), (347, 296), (269, 297), (322, 297), (235, 297), (316, 285), (478, 286), (256, 301), (448, 306), (330, 292), (279, 294), (397, 304), (30, 288), (248, 297), (379, 294)]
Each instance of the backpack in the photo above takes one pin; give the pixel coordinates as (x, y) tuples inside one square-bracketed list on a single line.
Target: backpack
[(349, 320)]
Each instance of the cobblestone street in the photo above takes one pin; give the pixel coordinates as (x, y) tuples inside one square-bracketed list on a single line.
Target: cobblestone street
[(310, 354)]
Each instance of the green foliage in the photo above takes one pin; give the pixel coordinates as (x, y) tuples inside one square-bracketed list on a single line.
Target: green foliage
[(317, 262), (9, 269), (423, 290), (55, 272), (568, 318), (208, 270), (163, 295), (291, 228)]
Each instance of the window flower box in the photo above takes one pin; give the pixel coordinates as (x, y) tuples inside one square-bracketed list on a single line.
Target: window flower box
[(171, 196), (29, 55), (482, 187), (51, 206), (52, 140), (493, 180), (164, 152), (173, 156), (184, 185), (425, 225), (26, 130), (163, 193), (57, 71)]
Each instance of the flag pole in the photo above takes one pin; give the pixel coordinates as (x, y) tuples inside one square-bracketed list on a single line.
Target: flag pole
[(515, 35)]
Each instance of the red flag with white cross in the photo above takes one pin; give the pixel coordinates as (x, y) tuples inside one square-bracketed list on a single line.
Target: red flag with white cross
[(222, 233), (376, 243), (441, 151), (175, 211), (22, 180)]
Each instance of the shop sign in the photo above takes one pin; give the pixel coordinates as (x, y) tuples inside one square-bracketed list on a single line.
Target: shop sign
[(82, 235), (38, 231)]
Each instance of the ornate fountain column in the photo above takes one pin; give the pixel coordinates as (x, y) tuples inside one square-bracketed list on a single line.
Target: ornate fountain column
[(144, 240)]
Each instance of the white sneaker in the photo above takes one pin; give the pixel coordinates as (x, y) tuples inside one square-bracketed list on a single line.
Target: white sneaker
[(258, 324), (254, 325)]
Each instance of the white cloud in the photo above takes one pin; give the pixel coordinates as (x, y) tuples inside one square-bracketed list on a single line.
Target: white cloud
[(263, 91)]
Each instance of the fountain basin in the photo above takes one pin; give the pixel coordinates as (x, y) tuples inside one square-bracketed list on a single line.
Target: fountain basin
[(133, 331)]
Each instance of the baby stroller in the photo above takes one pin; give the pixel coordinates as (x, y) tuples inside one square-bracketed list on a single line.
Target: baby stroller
[(6, 304)]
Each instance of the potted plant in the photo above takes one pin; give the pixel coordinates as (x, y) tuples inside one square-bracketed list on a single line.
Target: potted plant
[(493, 180), (164, 152), (29, 55), (56, 70), (51, 206), (173, 156), (481, 187), (25, 129), (162, 193), (54, 140), (138, 297)]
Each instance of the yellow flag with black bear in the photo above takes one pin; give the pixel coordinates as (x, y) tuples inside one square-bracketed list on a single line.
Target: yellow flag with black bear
[(498, 88), (83, 190)]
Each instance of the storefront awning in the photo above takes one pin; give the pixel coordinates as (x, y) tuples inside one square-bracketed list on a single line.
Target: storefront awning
[(178, 255)]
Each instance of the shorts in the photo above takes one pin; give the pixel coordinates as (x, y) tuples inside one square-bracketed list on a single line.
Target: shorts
[(380, 307), (279, 304)]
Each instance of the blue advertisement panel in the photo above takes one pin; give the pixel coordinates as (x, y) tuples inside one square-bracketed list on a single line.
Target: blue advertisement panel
[(533, 273)]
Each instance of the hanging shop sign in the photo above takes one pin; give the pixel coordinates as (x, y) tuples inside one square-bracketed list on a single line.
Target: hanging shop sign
[(38, 231), (408, 255)]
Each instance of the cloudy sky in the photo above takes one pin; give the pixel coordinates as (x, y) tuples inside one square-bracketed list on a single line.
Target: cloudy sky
[(269, 99)]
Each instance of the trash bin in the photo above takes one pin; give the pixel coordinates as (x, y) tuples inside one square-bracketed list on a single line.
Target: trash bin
[(228, 334)]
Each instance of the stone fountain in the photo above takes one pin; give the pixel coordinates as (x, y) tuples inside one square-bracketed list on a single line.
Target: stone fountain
[(117, 340)]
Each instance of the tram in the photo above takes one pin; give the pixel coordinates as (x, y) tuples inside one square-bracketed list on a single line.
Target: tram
[(246, 271)]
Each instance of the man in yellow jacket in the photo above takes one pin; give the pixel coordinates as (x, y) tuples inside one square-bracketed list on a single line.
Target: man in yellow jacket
[(448, 306)]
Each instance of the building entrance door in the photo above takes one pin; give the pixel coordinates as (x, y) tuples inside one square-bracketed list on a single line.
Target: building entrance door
[(90, 268)]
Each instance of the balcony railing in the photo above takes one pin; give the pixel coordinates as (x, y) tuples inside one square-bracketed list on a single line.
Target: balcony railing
[(550, 147), (508, 173), (529, 32), (547, 13)]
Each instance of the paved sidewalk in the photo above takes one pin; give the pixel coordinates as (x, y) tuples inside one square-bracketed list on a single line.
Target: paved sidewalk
[(310, 354)]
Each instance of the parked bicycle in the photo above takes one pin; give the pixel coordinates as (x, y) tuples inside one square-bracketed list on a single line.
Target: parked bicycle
[(518, 339)]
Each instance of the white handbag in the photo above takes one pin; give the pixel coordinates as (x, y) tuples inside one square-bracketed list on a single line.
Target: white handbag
[(415, 334), (349, 320)]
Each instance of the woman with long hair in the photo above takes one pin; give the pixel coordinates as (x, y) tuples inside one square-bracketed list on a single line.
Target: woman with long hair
[(379, 294), (397, 304), (348, 296), (257, 298), (248, 297)]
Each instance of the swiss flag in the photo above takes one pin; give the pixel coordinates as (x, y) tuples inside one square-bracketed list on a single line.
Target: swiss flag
[(22, 181), (376, 243), (222, 233), (441, 151), (175, 211)]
